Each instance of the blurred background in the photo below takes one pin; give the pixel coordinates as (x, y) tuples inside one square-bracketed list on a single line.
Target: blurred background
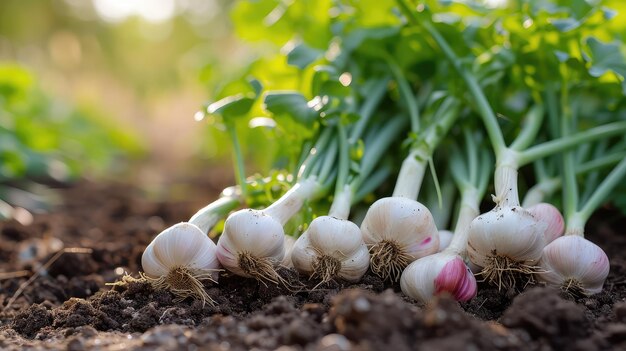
[(91, 87)]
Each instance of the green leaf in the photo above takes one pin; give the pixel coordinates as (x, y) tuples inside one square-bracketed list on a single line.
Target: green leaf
[(292, 104), (232, 106), (303, 55), (606, 57)]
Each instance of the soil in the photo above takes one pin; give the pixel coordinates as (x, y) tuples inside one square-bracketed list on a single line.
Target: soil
[(71, 307)]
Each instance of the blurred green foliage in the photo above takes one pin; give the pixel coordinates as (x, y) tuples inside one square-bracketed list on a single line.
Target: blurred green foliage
[(519, 50), (43, 139)]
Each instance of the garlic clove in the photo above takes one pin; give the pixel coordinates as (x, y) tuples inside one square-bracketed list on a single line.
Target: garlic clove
[(436, 274), (445, 238), (252, 233), (552, 217), (181, 245), (404, 222), (573, 262), (510, 232)]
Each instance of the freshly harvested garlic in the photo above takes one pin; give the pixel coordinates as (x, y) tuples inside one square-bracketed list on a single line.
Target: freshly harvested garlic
[(434, 274), (398, 231), (574, 264), (505, 242), (446, 271), (252, 245), (179, 259), (253, 241), (331, 247)]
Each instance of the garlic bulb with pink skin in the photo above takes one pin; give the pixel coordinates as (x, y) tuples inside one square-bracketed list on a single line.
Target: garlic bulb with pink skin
[(550, 215), (446, 271), (398, 231), (574, 264)]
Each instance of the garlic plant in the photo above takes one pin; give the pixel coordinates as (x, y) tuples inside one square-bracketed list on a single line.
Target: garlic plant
[(507, 242), (446, 271), (252, 243), (398, 229), (179, 259), (332, 246), (572, 262)]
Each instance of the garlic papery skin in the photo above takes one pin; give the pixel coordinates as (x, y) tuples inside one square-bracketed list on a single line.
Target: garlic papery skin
[(436, 274), (252, 245), (289, 243), (552, 217), (398, 231), (445, 237), (505, 242), (179, 258), (331, 248), (574, 264)]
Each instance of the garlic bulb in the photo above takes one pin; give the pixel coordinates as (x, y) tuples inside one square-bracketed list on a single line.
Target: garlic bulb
[(252, 244), (552, 217), (178, 259), (505, 242), (398, 231), (438, 273), (446, 271), (575, 264), (289, 242), (331, 247), (253, 241), (445, 237)]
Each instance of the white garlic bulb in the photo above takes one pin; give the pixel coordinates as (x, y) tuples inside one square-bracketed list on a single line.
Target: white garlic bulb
[(445, 238), (436, 274), (552, 217), (574, 263), (289, 243), (506, 240), (331, 247), (252, 244), (398, 231), (253, 241), (179, 258)]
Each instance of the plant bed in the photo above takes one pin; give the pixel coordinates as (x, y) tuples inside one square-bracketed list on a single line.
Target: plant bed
[(72, 308)]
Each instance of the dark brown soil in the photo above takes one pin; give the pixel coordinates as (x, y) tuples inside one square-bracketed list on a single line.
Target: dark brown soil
[(70, 307)]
